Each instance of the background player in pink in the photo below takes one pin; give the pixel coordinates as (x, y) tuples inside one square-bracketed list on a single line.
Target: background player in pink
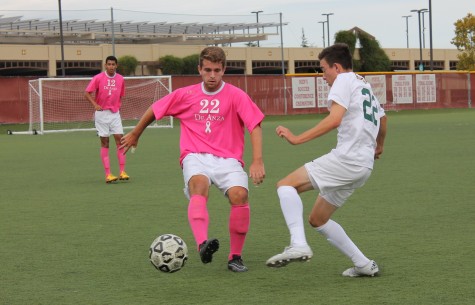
[(213, 115), (108, 88)]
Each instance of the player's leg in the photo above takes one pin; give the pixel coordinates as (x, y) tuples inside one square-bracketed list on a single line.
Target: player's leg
[(197, 189), (239, 221), (117, 130), (101, 121), (288, 190), (198, 217), (121, 157), (336, 235), (106, 160), (231, 179)]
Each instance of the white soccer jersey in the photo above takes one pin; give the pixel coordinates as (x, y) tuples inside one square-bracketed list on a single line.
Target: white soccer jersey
[(360, 125)]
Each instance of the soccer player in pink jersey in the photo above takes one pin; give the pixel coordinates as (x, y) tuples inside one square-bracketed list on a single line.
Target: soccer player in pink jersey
[(108, 88), (213, 116)]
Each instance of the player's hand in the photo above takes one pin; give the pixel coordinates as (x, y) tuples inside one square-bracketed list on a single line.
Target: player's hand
[(97, 107), (257, 172), (128, 141), (378, 152), (285, 133)]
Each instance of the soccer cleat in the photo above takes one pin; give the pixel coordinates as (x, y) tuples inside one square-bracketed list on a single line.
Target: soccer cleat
[(290, 254), (123, 176), (371, 269), (207, 249), (236, 264), (111, 178)]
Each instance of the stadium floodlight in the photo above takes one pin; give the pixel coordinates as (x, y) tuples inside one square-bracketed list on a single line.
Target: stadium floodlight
[(407, 29), (421, 66), (328, 26), (63, 72), (257, 21), (323, 29)]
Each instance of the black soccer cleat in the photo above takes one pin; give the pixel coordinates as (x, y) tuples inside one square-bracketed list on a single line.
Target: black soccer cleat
[(207, 249), (236, 264)]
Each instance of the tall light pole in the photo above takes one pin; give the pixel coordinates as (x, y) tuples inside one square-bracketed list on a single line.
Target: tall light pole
[(328, 26), (421, 66), (61, 37), (257, 19), (407, 29), (323, 31), (430, 36), (423, 29)]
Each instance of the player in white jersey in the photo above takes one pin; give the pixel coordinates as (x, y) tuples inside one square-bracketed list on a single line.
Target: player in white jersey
[(361, 123)]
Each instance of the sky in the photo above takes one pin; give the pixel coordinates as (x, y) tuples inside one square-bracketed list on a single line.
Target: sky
[(380, 18)]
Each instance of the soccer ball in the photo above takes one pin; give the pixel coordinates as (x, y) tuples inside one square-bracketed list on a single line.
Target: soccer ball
[(168, 253)]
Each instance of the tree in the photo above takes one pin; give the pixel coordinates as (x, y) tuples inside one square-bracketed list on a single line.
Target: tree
[(464, 40), (372, 56), (190, 64), (127, 65), (349, 38), (304, 43), (171, 65)]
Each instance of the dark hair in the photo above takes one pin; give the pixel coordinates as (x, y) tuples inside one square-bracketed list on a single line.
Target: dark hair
[(113, 58), (337, 53), (214, 55)]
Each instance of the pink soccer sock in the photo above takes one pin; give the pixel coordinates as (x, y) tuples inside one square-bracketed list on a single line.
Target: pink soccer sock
[(105, 160), (239, 220), (198, 218), (121, 157)]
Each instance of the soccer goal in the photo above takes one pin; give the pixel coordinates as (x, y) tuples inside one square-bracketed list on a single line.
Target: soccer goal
[(59, 105)]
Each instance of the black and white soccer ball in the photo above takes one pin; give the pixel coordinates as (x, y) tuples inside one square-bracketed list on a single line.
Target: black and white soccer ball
[(168, 253)]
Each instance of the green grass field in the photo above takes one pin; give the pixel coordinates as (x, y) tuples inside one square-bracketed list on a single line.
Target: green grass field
[(68, 238)]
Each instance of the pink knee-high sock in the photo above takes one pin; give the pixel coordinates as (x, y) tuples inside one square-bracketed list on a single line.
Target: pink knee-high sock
[(198, 218), (105, 160), (239, 220), (121, 157)]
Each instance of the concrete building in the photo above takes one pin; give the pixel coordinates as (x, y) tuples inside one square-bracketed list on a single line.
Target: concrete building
[(45, 60), (36, 48)]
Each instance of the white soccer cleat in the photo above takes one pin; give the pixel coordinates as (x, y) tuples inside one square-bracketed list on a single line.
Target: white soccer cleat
[(290, 254), (371, 269)]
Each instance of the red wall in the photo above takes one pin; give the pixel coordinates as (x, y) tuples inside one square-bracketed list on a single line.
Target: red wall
[(267, 91), (14, 100)]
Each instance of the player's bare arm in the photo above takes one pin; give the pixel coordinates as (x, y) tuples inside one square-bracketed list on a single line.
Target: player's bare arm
[(91, 100), (380, 138), (330, 122), (132, 138), (256, 169)]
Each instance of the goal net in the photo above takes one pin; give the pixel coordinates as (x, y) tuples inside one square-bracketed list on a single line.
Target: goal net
[(59, 105)]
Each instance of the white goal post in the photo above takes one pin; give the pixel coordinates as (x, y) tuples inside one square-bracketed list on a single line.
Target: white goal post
[(59, 105)]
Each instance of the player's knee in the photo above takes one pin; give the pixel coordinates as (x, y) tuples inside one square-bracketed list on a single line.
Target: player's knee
[(237, 195), (315, 221)]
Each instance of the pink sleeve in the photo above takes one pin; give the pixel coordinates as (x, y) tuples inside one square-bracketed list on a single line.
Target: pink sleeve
[(91, 87), (250, 114), (122, 94), (167, 105)]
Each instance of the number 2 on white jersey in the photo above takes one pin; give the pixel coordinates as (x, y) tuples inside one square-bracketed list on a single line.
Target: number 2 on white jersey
[(369, 115)]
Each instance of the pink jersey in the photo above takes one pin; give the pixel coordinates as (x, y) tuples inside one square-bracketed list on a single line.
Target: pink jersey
[(108, 90), (211, 122)]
